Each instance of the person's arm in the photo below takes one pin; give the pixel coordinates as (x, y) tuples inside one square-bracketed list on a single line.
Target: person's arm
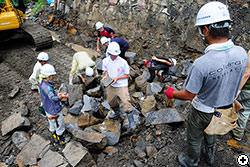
[(35, 75), (74, 67), (246, 74), (125, 76), (97, 44), (183, 95), (162, 61)]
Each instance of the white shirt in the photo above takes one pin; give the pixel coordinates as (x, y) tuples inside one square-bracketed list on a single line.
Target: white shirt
[(116, 68), (34, 78)]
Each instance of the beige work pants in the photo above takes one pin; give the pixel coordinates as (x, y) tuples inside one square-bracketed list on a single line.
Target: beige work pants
[(122, 92)]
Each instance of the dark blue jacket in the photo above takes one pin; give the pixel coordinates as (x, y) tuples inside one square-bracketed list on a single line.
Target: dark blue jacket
[(50, 100), (122, 43)]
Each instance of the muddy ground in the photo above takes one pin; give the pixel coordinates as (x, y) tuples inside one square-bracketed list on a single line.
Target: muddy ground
[(17, 59)]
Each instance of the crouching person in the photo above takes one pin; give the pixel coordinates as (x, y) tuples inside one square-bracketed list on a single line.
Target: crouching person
[(117, 68), (51, 103)]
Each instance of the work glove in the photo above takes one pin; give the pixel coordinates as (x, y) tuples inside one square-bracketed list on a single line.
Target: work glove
[(169, 92), (70, 80)]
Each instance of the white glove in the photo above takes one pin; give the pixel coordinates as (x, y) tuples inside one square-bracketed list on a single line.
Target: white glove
[(70, 80)]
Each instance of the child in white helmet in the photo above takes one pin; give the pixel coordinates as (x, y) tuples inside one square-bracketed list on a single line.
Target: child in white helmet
[(51, 102), (42, 59)]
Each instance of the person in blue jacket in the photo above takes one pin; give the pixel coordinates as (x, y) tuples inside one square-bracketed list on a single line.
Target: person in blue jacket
[(122, 43), (51, 102)]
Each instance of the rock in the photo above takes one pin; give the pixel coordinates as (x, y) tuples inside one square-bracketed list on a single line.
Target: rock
[(137, 95), (75, 94), (89, 81), (77, 155), (106, 81), (52, 159), (96, 92), (3, 164), (110, 150), (146, 74), (10, 160), (105, 105), (138, 163), (172, 70), (186, 67), (14, 92), (13, 122), (76, 108), (111, 129), (32, 151), (98, 64), (63, 89), (140, 82), (70, 118), (148, 104), (92, 140), (137, 118), (20, 139), (139, 152), (71, 126), (90, 104), (154, 88), (151, 150), (130, 57), (163, 116), (86, 119)]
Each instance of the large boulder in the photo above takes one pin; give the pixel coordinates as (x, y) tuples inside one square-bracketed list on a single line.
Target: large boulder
[(154, 88), (90, 104), (76, 108), (75, 94), (52, 159)]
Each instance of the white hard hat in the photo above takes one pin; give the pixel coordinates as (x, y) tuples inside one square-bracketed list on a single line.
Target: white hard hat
[(105, 40), (43, 56), (48, 70), (114, 48), (89, 71), (174, 61), (98, 25), (212, 12)]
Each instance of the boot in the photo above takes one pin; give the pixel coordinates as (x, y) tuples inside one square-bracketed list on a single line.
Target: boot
[(131, 121), (116, 114), (186, 162), (61, 139), (208, 152), (55, 137)]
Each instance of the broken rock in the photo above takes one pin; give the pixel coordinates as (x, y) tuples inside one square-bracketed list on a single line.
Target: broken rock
[(111, 129), (75, 94), (51, 159), (96, 92), (14, 92), (20, 139), (77, 155), (110, 150), (13, 122), (154, 88), (76, 108), (92, 140), (151, 150), (86, 119), (90, 104), (148, 104), (163, 116), (32, 151), (130, 57), (140, 82)]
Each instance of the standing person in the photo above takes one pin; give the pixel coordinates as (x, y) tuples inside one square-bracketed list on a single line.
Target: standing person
[(213, 81), (159, 63), (103, 31), (122, 43), (42, 58), (244, 99), (118, 69), (51, 103), (82, 65)]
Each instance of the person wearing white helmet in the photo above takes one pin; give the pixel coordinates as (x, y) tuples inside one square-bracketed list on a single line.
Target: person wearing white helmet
[(212, 84), (51, 102), (118, 69), (42, 59), (159, 63), (103, 31), (83, 66)]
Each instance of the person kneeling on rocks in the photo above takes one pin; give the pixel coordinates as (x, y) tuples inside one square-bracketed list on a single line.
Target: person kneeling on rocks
[(159, 63), (82, 65), (118, 69), (42, 58), (51, 102)]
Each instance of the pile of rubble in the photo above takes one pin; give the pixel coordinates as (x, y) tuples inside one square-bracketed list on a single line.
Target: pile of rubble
[(86, 118)]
